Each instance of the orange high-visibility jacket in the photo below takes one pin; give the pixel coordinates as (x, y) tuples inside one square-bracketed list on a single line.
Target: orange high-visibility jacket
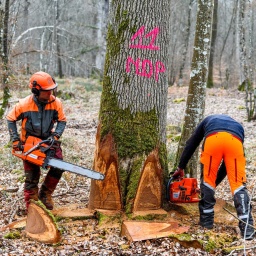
[(37, 119)]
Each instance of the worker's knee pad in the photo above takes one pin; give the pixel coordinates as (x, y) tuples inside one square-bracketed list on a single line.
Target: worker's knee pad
[(242, 204)]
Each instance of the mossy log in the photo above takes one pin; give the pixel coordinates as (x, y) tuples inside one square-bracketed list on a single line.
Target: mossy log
[(41, 225)]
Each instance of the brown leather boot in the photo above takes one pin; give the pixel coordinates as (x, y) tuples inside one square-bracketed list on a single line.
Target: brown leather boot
[(46, 198), (30, 194), (45, 193)]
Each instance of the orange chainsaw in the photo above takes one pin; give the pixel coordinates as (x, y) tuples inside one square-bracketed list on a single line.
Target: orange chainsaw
[(183, 190), (41, 152)]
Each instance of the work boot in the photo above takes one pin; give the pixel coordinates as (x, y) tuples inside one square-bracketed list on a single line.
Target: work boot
[(244, 209), (45, 193), (30, 194), (247, 231), (206, 220), (46, 199)]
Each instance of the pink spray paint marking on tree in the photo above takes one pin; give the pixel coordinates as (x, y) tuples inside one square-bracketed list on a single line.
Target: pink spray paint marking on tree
[(159, 68), (141, 35), (145, 68)]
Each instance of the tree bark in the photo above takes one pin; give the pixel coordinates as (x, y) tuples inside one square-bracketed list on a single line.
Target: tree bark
[(186, 44), (4, 17), (233, 20), (131, 136), (198, 79), (210, 82)]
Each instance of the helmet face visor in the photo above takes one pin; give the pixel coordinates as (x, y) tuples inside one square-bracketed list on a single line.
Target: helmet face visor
[(49, 88)]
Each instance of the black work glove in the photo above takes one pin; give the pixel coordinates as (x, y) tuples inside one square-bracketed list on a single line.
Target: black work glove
[(54, 140), (54, 136), (178, 174), (17, 145)]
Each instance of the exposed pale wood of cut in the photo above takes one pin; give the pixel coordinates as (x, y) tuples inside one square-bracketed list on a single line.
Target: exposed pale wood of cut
[(143, 230), (69, 212), (109, 212), (105, 194), (16, 224), (149, 194), (157, 212), (41, 226)]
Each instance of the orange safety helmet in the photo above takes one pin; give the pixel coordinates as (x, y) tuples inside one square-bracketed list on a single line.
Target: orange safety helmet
[(41, 81)]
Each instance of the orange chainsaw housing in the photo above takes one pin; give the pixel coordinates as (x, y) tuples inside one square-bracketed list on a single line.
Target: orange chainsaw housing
[(184, 191), (36, 156)]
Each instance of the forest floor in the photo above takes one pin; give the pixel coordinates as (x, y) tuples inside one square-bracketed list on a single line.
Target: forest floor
[(89, 236)]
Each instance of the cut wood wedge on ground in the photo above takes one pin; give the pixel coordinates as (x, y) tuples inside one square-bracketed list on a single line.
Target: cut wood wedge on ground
[(16, 224), (143, 230), (41, 225)]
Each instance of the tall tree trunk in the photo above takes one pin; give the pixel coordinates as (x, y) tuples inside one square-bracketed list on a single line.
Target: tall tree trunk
[(4, 18), (210, 82), (99, 35), (131, 136), (198, 79), (233, 20), (58, 53), (184, 54), (243, 59), (53, 55), (25, 25), (59, 63)]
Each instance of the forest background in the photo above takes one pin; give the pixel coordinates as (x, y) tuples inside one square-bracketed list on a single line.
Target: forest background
[(68, 38)]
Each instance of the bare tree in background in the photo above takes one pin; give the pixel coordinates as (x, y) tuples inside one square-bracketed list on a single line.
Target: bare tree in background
[(210, 80), (245, 54), (77, 38), (131, 136), (224, 70), (4, 70), (186, 43), (198, 79)]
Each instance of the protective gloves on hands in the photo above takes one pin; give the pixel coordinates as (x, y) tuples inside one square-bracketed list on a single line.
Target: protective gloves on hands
[(17, 145), (178, 174), (54, 136)]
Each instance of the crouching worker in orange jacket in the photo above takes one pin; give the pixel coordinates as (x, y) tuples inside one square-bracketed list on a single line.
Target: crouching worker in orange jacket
[(222, 154), (39, 113)]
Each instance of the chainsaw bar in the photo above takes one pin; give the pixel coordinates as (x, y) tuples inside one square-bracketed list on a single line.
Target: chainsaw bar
[(74, 169)]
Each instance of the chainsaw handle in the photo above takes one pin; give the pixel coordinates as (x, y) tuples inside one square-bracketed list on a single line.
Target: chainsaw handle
[(51, 142), (168, 188), (39, 144), (178, 174)]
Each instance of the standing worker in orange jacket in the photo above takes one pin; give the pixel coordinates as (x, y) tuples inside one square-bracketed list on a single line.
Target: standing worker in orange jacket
[(39, 113), (222, 154)]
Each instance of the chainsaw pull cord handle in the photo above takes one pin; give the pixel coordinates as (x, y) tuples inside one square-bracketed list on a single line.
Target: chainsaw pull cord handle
[(39, 144)]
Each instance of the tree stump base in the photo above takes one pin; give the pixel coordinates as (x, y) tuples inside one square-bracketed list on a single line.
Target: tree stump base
[(40, 225)]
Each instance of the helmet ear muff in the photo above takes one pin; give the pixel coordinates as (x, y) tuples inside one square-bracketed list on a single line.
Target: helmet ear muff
[(35, 88)]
